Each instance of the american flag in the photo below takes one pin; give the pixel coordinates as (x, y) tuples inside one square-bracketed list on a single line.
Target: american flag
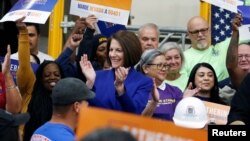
[(220, 24)]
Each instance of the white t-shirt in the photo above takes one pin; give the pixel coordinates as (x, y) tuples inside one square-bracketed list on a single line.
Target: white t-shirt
[(42, 56)]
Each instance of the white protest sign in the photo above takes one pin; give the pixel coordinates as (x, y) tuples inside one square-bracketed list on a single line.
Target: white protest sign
[(35, 11), (105, 10)]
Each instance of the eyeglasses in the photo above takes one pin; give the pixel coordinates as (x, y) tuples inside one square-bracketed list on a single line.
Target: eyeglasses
[(240, 56), (202, 31), (159, 66)]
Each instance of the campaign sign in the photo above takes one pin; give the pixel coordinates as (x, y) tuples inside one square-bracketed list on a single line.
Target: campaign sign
[(217, 113), (143, 128), (114, 11), (245, 27), (35, 11)]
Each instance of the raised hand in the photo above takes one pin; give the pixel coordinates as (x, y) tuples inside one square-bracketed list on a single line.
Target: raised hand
[(6, 62), (91, 20), (75, 40), (88, 71), (190, 91), (236, 22), (79, 27), (20, 24)]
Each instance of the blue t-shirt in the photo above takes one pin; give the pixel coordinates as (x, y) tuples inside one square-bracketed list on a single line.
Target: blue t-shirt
[(53, 132)]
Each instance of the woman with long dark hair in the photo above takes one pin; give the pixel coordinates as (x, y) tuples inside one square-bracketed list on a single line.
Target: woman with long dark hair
[(40, 106), (204, 78)]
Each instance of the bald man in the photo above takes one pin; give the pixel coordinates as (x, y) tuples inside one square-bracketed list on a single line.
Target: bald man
[(201, 50)]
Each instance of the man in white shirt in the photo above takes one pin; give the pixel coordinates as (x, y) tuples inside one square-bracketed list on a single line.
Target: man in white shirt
[(34, 37)]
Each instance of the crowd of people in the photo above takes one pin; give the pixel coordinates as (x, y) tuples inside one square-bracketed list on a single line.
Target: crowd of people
[(126, 72)]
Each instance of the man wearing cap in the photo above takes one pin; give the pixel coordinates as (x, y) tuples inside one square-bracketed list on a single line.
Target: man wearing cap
[(68, 96), (9, 125)]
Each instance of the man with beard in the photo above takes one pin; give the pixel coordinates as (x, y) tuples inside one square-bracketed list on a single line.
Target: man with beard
[(201, 50)]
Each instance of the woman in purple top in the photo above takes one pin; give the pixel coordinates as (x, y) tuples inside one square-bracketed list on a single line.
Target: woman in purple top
[(165, 97)]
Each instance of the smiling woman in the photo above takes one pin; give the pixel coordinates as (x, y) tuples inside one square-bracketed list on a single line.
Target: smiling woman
[(40, 104), (175, 58), (164, 97), (203, 76), (121, 88)]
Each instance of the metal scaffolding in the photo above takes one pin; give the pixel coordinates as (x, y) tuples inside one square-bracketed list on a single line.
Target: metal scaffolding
[(167, 34)]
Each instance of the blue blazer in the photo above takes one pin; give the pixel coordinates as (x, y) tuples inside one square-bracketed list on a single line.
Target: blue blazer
[(137, 90)]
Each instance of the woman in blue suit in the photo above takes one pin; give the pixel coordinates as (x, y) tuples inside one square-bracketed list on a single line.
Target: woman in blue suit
[(121, 88)]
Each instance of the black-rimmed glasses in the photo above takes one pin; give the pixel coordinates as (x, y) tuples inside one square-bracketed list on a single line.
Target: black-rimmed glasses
[(196, 32)]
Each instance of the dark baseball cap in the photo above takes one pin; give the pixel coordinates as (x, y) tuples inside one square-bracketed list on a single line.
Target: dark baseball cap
[(69, 90)]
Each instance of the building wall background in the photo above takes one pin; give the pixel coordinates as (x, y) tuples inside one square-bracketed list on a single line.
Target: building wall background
[(174, 13)]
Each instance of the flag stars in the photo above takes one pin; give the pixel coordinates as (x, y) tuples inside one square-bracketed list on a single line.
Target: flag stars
[(227, 15), (221, 9), (216, 26), (222, 33), (227, 27), (221, 24), (217, 38), (222, 21), (216, 15)]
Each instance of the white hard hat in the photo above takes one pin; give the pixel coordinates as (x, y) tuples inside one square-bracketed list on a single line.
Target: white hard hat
[(190, 112)]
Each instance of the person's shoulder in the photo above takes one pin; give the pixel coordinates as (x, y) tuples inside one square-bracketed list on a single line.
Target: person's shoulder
[(188, 51), (40, 133), (173, 88), (39, 137), (43, 56), (247, 78), (45, 132), (14, 56), (103, 72), (138, 76)]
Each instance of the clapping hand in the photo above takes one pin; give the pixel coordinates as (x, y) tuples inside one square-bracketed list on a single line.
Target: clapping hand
[(120, 76), (88, 71), (155, 92)]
